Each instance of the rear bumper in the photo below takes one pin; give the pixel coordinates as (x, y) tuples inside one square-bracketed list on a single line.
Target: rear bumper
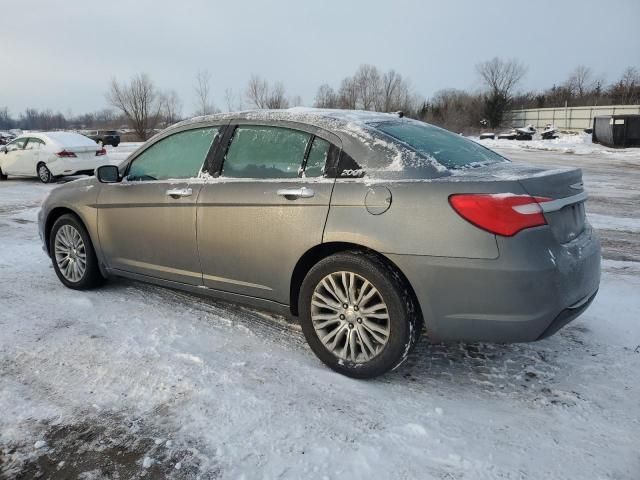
[(567, 316), (533, 289)]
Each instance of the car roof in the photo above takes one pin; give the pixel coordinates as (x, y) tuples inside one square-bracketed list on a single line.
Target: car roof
[(61, 138), (327, 118)]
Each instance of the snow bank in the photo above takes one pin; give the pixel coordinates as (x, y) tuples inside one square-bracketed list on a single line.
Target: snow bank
[(579, 144)]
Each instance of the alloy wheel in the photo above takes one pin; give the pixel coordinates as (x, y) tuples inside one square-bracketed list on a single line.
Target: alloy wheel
[(350, 317), (70, 253), (43, 173)]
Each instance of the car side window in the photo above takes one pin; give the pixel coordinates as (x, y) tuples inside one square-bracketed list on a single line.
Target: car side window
[(265, 152), (17, 144), (317, 158), (34, 144), (180, 155)]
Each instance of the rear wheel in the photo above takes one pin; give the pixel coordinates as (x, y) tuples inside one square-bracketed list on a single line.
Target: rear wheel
[(2, 175), (357, 314), (44, 174), (72, 254)]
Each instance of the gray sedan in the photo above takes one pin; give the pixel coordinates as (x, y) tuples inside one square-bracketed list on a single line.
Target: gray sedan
[(368, 228)]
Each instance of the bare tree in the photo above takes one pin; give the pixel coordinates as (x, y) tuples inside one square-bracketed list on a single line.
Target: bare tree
[(171, 107), (139, 101), (501, 78), (276, 97), (390, 84), (395, 94), (367, 84), (5, 118), (579, 82), (233, 100), (348, 94), (261, 95), (629, 86), (258, 91), (455, 109), (326, 97), (203, 93), (296, 101)]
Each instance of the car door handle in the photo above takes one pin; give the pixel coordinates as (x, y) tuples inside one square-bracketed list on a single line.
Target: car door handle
[(179, 192), (291, 193)]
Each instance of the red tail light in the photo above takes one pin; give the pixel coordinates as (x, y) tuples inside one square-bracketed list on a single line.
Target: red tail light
[(101, 152), (502, 214), (65, 154)]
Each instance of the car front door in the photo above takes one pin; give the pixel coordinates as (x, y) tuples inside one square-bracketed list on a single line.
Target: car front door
[(12, 158), (147, 222), (267, 207)]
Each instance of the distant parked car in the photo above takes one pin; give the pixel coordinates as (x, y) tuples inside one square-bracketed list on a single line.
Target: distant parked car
[(5, 137), (104, 137), (49, 155)]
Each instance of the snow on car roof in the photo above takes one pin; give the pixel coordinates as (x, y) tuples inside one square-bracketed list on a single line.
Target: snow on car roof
[(321, 117), (67, 139)]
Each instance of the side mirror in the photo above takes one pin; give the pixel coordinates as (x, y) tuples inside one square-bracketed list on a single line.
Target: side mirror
[(108, 174), (3, 148)]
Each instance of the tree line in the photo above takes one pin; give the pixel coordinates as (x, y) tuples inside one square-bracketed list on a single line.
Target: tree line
[(139, 103)]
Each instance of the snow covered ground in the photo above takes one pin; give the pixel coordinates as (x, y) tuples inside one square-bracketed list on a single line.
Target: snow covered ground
[(136, 381), (120, 153)]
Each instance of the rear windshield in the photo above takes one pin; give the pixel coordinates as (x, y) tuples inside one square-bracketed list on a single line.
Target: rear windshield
[(449, 149)]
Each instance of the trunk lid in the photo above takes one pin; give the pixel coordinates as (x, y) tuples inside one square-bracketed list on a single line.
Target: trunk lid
[(84, 152), (565, 213)]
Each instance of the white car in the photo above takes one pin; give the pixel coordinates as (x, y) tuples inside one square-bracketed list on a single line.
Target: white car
[(48, 155)]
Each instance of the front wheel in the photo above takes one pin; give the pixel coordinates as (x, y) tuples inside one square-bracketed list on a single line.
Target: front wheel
[(2, 175), (358, 315), (44, 174), (73, 256)]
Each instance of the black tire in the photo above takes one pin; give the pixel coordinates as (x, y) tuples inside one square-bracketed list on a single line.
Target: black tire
[(92, 277), (404, 318), (2, 176), (44, 174)]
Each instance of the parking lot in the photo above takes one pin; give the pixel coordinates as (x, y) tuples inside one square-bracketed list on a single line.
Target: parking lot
[(137, 381)]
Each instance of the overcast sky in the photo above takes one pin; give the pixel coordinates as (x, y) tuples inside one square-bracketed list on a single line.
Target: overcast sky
[(61, 54)]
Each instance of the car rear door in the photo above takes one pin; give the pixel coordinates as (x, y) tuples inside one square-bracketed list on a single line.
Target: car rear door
[(267, 207), (147, 222)]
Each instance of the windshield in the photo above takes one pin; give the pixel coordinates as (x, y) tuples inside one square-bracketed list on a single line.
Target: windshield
[(447, 148)]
